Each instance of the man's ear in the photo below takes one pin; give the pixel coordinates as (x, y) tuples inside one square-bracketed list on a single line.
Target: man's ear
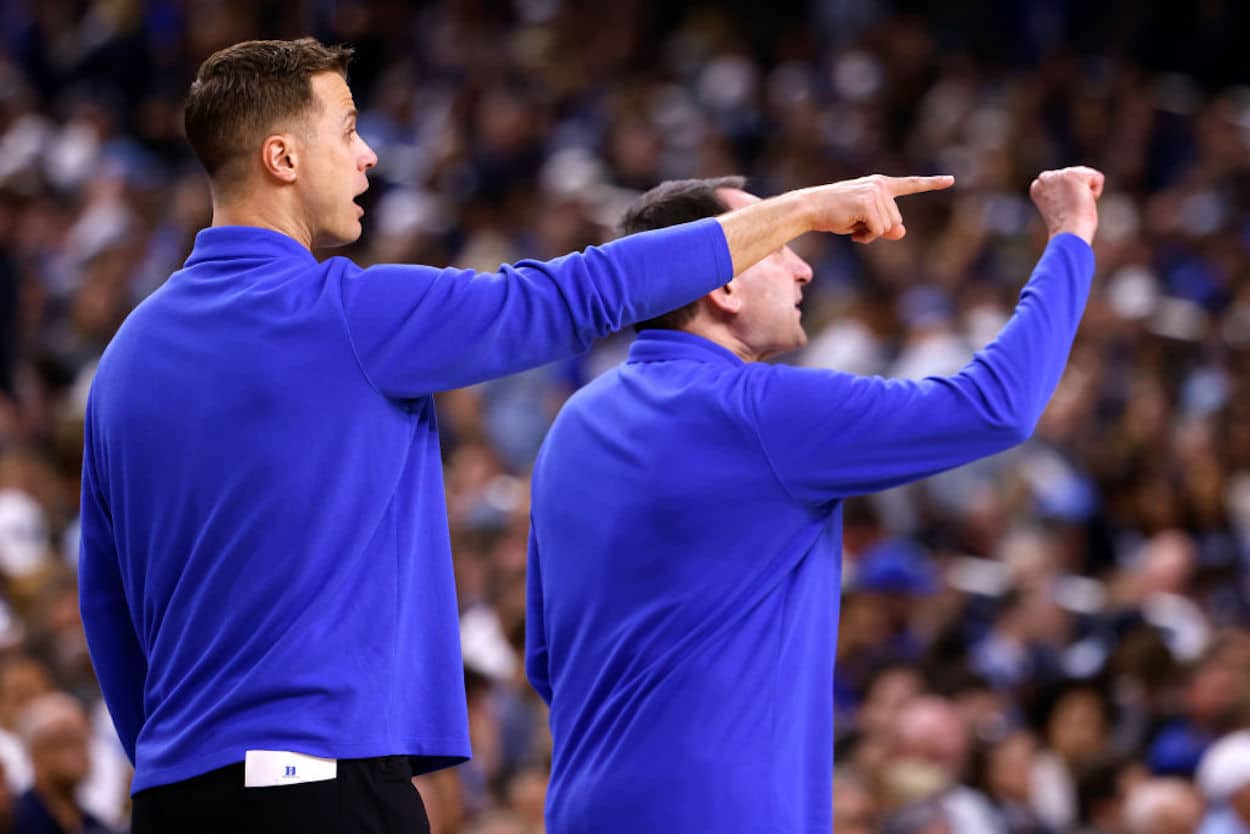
[(278, 156), (725, 300)]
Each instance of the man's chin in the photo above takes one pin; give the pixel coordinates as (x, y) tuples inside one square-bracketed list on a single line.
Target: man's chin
[(339, 237)]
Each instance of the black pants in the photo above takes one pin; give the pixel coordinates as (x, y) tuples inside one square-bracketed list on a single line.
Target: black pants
[(368, 796)]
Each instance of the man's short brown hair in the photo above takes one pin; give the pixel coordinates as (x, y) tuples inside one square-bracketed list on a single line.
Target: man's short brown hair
[(242, 92), (669, 204)]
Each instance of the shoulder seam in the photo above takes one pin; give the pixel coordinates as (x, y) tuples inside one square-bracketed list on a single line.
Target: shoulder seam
[(347, 331), (752, 422)]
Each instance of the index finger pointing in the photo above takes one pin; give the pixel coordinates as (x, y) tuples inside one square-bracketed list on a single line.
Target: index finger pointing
[(898, 186)]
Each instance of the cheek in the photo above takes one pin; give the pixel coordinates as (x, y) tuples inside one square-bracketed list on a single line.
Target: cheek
[(781, 294), (768, 299)]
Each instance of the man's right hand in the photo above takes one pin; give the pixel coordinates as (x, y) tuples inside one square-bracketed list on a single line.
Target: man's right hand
[(1067, 199), (864, 208)]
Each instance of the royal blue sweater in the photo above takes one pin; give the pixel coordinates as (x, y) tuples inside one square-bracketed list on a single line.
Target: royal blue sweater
[(685, 550), (265, 555)]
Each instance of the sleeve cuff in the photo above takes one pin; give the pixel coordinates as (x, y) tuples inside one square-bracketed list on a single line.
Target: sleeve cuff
[(720, 249), (1081, 253)]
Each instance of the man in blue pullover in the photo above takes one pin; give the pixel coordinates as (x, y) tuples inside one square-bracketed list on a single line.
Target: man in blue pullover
[(685, 543), (266, 575)]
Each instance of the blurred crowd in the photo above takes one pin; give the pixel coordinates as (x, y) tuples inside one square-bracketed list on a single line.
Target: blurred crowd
[(1053, 640)]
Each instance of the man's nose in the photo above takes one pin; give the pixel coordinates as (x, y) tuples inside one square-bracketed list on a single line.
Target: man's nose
[(802, 269)]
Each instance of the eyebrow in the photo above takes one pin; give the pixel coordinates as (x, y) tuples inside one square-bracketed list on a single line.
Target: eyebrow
[(351, 114)]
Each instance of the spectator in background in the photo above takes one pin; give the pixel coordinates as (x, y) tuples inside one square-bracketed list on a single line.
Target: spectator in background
[(1214, 691), (55, 730), (1007, 781), (22, 680), (929, 763), (1163, 806), (1102, 791), (1224, 777), (1075, 719)]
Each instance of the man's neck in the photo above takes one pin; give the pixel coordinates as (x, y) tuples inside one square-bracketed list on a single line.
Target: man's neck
[(245, 213), (723, 336)]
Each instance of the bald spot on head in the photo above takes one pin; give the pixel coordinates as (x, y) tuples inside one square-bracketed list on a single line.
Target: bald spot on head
[(49, 715), (22, 679), (932, 729), (57, 734), (1163, 806)]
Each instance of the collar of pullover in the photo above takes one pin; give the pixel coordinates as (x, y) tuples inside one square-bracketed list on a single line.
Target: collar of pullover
[(217, 243), (667, 345)]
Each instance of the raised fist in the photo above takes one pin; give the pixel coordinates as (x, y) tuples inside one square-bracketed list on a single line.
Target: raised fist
[(1067, 199)]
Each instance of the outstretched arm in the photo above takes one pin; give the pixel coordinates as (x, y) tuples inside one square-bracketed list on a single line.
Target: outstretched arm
[(417, 330)]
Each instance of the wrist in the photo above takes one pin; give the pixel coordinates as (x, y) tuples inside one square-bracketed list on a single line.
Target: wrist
[(1084, 232), (804, 210)]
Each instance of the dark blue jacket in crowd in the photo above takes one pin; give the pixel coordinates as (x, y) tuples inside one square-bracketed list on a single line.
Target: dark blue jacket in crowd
[(31, 816)]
